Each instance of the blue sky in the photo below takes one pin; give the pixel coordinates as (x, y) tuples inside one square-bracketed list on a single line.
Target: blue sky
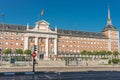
[(82, 15)]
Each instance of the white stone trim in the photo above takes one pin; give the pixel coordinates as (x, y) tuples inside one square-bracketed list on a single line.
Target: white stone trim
[(118, 42), (26, 42), (109, 41), (36, 43), (55, 46), (46, 55), (41, 35)]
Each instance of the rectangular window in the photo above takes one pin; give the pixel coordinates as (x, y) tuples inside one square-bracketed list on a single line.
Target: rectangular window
[(6, 33), (0, 43), (42, 39), (6, 38), (12, 33), (21, 44), (16, 33), (12, 38), (11, 43), (17, 38), (1, 37), (31, 39)]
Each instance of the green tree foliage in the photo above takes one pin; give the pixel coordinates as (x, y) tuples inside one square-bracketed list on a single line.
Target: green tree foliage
[(95, 53), (19, 51), (88, 52), (109, 61), (27, 51), (7, 51), (108, 53), (84, 52), (115, 61), (115, 53), (102, 52)]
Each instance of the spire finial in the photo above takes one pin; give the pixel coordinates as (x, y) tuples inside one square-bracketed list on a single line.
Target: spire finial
[(109, 22)]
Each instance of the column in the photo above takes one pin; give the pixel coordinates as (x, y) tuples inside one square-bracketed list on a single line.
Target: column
[(55, 49), (36, 42), (55, 46), (26, 42), (46, 55)]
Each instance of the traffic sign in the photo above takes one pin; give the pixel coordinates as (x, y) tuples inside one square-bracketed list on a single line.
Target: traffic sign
[(34, 54)]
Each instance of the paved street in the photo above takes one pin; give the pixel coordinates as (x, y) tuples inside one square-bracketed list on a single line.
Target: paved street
[(89, 75)]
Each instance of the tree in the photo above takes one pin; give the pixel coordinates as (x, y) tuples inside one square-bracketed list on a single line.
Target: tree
[(102, 53), (95, 53), (88, 52), (19, 51), (108, 52), (7, 51), (84, 52), (115, 61), (27, 51), (115, 53)]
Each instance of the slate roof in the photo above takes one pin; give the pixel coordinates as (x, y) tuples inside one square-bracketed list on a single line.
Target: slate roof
[(12, 27), (60, 31), (81, 34), (110, 27)]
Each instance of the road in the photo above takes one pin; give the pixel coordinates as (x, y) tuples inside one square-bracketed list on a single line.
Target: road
[(90, 75)]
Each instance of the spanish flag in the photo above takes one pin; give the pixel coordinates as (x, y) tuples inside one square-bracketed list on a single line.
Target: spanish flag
[(42, 12)]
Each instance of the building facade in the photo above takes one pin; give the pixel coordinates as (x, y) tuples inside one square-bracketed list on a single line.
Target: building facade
[(54, 42)]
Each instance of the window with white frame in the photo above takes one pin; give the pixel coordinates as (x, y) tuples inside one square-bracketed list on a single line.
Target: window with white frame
[(16, 43)]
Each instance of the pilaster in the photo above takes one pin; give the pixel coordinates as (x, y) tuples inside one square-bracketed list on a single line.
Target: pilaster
[(46, 55), (55, 48), (26, 42), (36, 43), (109, 41)]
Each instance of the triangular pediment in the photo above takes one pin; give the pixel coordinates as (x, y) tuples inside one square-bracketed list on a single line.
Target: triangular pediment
[(42, 22), (42, 26)]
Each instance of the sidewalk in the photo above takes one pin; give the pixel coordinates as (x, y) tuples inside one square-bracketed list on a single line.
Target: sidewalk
[(60, 67)]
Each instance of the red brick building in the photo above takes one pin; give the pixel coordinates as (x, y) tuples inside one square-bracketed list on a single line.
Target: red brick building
[(51, 42)]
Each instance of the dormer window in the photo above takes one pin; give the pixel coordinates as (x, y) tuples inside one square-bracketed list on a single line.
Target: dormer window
[(7, 27), (18, 28)]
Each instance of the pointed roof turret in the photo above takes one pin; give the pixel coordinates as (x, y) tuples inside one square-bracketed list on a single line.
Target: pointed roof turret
[(109, 25)]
